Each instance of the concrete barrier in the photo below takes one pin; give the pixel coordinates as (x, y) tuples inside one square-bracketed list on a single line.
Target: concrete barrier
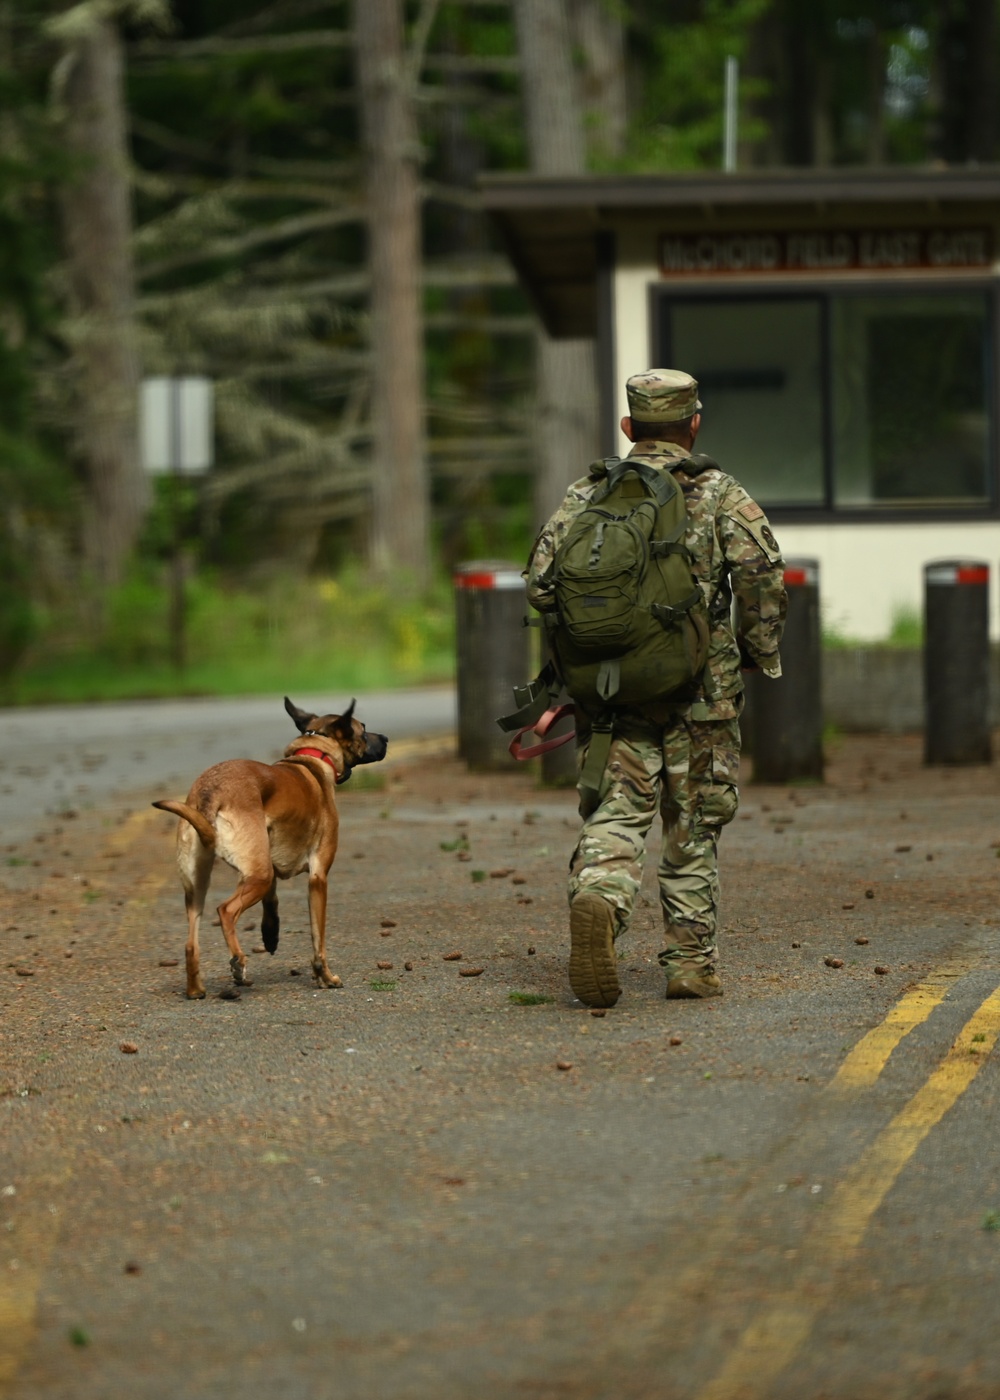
[(881, 689)]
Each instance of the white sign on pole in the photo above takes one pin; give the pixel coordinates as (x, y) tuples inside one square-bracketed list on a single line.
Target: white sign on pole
[(730, 114), (176, 423)]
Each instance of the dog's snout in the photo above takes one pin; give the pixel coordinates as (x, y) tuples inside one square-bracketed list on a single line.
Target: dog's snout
[(375, 747)]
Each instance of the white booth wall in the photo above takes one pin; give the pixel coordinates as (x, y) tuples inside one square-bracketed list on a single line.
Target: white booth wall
[(870, 571)]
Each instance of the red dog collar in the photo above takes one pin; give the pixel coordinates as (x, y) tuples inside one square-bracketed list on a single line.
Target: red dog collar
[(318, 753)]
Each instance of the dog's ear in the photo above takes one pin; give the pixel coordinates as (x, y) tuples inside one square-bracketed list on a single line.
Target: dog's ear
[(348, 715), (301, 718)]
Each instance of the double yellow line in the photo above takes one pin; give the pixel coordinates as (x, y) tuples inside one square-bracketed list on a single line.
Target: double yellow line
[(39, 1204), (770, 1343)]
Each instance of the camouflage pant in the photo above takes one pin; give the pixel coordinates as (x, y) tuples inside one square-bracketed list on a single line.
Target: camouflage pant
[(688, 769)]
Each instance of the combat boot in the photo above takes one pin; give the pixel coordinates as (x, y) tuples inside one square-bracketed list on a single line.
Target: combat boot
[(593, 967), (688, 962), (700, 982)]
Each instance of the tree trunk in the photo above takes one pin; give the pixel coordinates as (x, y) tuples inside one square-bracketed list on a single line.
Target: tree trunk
[(400, 495), (966, 61), (567, 391), (800, 105), (764, 66), (97, 220), (600, 38), (875, 62), (980, 80)]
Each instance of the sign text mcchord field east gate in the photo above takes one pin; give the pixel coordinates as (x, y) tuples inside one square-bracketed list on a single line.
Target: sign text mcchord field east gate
[(841, 250)]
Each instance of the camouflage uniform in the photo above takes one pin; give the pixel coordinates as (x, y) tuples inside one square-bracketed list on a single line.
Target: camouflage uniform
[(682, 758)]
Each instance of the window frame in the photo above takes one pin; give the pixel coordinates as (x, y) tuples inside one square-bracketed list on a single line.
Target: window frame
[(823, 290)]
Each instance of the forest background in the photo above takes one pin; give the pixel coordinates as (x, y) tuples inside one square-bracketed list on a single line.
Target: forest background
[(282, 195)]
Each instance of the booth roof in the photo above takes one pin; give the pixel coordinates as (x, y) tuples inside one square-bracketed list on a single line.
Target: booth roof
[(550, 225)]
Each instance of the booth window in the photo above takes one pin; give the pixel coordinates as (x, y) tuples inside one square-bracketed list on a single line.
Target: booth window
[(842, 400)]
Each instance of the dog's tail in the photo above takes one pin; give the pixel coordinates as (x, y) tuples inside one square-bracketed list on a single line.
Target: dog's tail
[(203, 827)]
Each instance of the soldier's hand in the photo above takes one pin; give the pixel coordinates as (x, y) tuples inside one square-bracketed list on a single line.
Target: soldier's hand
[(747, 663)]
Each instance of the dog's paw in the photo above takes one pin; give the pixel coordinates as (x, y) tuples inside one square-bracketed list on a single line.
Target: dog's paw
[(324, 977), (239, 968)]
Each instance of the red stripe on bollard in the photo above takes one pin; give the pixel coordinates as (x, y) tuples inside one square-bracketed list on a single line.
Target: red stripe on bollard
[(475, 580), (795, 578), (980, 575)]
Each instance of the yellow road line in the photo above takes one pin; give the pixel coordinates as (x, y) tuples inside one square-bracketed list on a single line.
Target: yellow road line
[(37, 1214), (643, 1320), (133, 828), (867, 1060), (430, 744), (40, 1201), (769, 1344)]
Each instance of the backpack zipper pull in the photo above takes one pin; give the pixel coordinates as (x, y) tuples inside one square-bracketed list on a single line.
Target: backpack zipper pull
[(595, 553)]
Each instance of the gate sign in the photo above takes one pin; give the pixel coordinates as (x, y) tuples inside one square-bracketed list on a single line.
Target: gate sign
[(176, 422), (833, 250)]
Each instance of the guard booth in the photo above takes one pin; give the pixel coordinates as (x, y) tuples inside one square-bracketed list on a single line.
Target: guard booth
[(843, 329)]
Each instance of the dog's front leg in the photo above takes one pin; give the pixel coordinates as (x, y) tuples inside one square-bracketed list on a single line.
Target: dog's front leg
[(317, 921)]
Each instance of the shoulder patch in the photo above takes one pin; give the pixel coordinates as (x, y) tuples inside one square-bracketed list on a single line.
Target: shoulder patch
[(761, 531), (748, 515)]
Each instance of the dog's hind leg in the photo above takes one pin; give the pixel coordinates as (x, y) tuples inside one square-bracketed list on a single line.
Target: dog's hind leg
[(194, 863), (250, 891), (317, 923), (270, 924)]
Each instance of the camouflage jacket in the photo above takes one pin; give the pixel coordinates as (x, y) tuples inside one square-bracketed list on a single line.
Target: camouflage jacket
[(734, 556)]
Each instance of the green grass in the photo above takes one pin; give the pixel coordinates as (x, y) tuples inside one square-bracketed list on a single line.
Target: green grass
[(906, 631), (383, 984), (286, 634), (529, 998), (991, 1220), (363, 781)]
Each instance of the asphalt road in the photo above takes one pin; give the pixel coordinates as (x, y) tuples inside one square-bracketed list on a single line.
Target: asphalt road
[(58, 757), (394, 1190)]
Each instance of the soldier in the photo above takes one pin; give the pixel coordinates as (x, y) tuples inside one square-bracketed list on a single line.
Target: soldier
[(681, 755)]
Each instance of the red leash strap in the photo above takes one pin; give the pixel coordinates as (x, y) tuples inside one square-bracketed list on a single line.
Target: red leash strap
[(541, 727)]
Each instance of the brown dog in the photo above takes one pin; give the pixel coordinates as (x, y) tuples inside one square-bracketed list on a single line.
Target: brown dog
[(269, 821)]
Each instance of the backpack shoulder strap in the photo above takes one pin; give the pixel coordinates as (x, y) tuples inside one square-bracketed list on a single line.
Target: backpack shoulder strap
[(694, 466), (607, 480), (661, 485)]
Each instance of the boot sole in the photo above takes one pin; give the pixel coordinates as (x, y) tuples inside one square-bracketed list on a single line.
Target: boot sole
[(593, 968), (691, 989)]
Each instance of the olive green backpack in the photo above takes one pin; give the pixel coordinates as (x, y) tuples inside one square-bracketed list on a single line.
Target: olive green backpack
[(630, 625)]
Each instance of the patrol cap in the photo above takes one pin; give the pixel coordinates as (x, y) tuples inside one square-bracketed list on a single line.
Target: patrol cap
[(662, 396)]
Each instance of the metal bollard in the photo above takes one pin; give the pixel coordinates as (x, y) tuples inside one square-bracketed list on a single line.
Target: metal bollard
[(956, 662), (493, 655), (787, 735)]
